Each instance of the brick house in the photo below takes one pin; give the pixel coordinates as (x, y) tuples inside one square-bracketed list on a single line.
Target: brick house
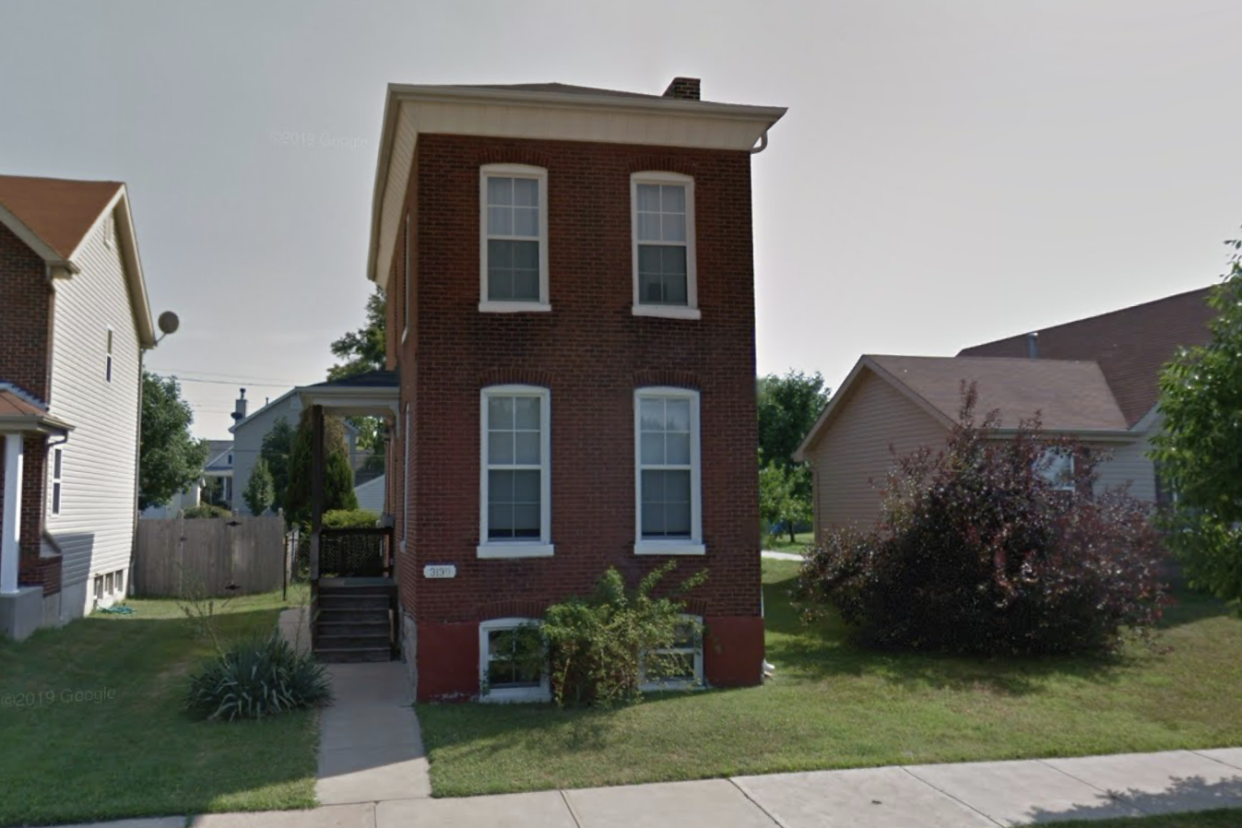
[(569, 274), (74, 320)]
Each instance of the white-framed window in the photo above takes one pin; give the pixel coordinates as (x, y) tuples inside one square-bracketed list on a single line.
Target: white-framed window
[(679, 667), (512, 661), (668, 501), (405, 280), (405, 480), (1057, 467), (119, 582), (513, 238), (515, 484), (58, 468), (108, 366), (662, 207)]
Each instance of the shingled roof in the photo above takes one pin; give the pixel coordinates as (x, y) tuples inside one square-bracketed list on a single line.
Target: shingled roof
[(1068, 395), (59, 211), (1130, 345)]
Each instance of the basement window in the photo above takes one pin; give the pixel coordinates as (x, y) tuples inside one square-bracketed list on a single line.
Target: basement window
[(679, 667), (512, 661)]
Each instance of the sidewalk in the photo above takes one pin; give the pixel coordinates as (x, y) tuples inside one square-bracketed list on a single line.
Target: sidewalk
[(974, 795)]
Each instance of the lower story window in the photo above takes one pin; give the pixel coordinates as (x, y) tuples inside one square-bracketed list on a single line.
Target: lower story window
[(680, 666), (512, 661)]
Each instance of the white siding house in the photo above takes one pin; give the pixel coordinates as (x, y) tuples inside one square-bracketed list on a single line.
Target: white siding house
[(95, 523)]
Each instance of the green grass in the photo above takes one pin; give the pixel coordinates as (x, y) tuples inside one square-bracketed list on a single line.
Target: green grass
[(783, 544), (130, 750), (1226, 818), (832, 705)]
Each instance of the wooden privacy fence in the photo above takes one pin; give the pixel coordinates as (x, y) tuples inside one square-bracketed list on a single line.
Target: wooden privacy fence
[(209, 557)]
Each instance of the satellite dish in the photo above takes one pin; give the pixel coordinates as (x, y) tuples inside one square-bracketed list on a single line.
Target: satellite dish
[(169, 322)]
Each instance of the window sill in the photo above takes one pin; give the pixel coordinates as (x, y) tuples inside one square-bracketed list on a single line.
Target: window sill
[(514, 307), (652, 547), (667, 311), (515, 550)]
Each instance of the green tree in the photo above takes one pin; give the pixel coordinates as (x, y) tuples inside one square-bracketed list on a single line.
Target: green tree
[(788, 407), (360, 351), (779, 502), (170, 459), (338, 484), (364, 349), (1199, 450), (258, 494), (275, 451)]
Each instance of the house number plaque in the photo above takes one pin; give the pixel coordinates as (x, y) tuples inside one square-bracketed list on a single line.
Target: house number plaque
[(439, 571)]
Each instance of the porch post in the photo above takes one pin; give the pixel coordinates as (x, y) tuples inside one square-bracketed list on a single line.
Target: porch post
[(10, 537), (317, 473)]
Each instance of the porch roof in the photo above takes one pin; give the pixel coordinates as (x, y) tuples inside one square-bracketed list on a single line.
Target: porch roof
[(373, 394), (22, 413)]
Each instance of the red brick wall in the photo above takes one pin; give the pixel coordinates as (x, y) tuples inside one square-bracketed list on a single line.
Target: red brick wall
[(25, 317), (26, 301), (592, 353)]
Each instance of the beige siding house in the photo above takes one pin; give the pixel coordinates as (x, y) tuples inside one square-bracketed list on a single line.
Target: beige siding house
[(1094, 380)]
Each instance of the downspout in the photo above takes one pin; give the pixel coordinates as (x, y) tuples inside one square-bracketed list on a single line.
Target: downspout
[(133, 542)]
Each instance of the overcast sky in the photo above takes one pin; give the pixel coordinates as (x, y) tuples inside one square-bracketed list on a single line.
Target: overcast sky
[(950, 171)]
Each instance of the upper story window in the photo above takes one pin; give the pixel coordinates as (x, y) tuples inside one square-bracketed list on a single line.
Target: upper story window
[(108, 366), (515, 486), (58, 459), (405, 279), (664, 255), (513, 243), (668, 478)]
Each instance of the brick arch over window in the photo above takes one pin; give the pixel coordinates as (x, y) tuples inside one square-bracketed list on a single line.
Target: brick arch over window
[(511, 609), (696, 606), (660, 376), (663, 163), (516, 376), (514, 155)]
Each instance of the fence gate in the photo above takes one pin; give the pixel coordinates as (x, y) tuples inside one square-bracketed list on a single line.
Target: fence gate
[(209, 557)]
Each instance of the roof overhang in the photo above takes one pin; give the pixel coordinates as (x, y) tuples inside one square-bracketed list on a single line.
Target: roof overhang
[(353, 401), (655, 121), (34, 424)]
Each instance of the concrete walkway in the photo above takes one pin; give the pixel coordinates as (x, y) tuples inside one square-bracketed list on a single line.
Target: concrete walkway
[(782, 556), (975, 795), (370, 747)]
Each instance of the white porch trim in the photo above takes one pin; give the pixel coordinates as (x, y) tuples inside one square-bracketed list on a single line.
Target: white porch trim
[(11, 533)]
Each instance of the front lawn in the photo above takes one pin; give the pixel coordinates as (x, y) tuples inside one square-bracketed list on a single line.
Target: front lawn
[(93, 728), (832, 705), (1226, 818)]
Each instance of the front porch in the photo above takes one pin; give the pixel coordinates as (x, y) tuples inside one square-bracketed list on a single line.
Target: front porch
[(22, 418), (355, 612)]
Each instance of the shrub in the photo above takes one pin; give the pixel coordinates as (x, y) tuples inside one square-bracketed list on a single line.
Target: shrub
[(257, 679), (206, 510), (597, 645), (977, 551), (350, 519)]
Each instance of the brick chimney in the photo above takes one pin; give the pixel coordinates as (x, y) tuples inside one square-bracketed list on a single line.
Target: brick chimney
[(687, 89)]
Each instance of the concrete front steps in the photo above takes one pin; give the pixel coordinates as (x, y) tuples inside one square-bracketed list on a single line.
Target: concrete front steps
[(353, 620)]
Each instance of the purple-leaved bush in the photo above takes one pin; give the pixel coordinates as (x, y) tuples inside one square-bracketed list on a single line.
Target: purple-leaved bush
[(976, 551)]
